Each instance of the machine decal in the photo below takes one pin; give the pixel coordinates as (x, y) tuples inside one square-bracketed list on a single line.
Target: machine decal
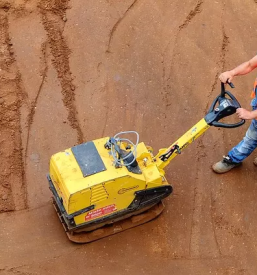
[(124, 190), (100, 212), (194, 130)]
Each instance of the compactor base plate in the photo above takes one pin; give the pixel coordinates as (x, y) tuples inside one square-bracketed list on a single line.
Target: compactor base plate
[(138, 218)]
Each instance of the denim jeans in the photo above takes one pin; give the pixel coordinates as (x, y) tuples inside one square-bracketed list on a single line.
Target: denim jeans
[(244, 148)]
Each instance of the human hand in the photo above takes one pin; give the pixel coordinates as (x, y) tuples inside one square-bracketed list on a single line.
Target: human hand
[(226, 77), (244, 114)]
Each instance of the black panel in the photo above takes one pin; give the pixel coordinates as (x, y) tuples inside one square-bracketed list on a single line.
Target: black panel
[(88, 158), (150, 196)]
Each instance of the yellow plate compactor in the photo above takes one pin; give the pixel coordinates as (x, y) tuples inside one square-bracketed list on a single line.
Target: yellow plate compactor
[(108, 185)]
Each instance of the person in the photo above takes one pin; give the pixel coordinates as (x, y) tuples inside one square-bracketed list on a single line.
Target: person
[(236, 155)]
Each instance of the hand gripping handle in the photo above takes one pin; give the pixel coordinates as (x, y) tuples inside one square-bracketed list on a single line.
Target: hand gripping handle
[(235, 103)]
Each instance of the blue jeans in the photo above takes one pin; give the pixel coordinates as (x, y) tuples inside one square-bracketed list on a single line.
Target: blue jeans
[(244, 148)]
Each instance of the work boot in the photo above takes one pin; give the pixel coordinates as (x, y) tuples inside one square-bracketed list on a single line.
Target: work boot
[(225, 165)]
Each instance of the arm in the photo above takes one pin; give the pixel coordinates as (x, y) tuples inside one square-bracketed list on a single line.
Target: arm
[(242, 69), (245, 114)]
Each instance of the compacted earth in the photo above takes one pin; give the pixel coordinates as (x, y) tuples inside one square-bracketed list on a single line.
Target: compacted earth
[(73, 71)]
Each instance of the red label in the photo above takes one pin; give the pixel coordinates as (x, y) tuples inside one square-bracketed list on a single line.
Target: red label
[(100, 212)]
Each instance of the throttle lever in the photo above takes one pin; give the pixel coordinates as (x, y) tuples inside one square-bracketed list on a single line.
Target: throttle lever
[(230, 84)]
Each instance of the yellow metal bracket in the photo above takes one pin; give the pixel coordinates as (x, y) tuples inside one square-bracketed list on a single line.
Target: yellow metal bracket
[(178, 146)]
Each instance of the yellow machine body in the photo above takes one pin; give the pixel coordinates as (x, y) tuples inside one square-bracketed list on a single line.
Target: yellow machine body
[(109, 191), (89, 191)]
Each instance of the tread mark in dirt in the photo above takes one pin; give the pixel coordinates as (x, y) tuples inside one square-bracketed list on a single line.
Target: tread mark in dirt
[(60, 52), (220, 63), (107, 111), (34, 103), (213, 223), (195, 230), (190, 16), (114, 28), (106, 118), (12, 181)]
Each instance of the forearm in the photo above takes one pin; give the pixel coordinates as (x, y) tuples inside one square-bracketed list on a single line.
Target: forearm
[(254, 114), (242, 69), (245, 67)]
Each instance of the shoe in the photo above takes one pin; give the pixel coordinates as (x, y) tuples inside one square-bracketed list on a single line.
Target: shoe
[(225, 165)]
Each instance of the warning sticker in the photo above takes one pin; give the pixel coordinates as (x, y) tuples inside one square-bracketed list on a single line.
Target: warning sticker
[(100, 212)]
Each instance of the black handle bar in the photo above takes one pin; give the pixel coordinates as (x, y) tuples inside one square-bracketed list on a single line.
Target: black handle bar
[(222, 93), (226, 108)]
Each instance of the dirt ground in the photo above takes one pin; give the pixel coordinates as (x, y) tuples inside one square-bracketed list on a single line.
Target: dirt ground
[(72, 71)]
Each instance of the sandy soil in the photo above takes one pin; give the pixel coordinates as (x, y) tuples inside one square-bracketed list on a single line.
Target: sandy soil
[(72, 71)]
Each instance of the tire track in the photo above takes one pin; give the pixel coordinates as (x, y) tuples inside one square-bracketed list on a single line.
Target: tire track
[(116, 25), (105, 88), (198, 197), (220, 64), (12, 177), (213, 222), (191, 15), (60, 51), (34, 103), (196, 10)]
